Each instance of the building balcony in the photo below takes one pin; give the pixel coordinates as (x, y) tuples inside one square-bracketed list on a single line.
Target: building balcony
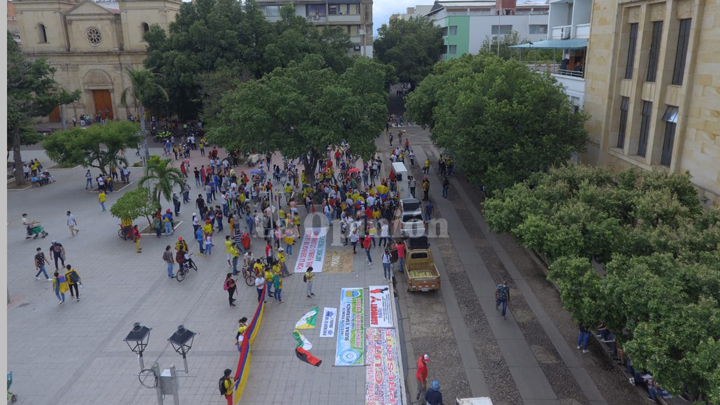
[(317, 19), (582, 31), (562, 32), (344, 18)]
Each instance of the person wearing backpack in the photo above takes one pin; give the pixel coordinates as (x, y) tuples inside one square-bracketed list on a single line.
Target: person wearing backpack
[(226, 386), (73, 280), (502, 296), (229, 286)]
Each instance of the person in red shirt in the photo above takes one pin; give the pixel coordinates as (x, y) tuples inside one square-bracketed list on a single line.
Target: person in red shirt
[(401, 254), (367, 245), (421, 375), (337, 157), (268, 250)]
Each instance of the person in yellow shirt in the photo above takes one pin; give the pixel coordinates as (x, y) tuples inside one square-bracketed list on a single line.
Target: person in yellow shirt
[(296, 220), (276, 268), (127, 227), (207, 228), (228, 385), (289, 240), (229, 249), (281, 260), (258, 267), (308, 278), (242, 327), (426, 167), (269, 282), (101, 199), (235, 257)]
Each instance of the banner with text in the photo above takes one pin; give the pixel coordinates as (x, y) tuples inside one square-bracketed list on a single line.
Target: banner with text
[(351, 328), (327, 329), (380, 307), (382, 375), (312, 250)]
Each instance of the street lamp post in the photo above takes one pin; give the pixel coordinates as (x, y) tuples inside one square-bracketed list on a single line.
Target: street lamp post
[(167, 382)]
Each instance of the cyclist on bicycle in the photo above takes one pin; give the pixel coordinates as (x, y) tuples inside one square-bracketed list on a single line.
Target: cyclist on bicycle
[(181, 244), (181, 257)]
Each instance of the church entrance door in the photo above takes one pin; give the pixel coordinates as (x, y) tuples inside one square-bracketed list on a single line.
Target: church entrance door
[(103, 103)]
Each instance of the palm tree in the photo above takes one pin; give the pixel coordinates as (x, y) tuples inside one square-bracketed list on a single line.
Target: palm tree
[(141, 81), (165, 177)]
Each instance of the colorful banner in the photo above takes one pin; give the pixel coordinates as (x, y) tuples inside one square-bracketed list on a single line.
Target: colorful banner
[(351, 326), (243, 368), (380, 307), (308, 320), (312, 250), (327, 329), (382, 375)]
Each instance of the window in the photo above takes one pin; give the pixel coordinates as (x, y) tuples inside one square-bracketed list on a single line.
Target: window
[(453, 30), (444, 31), (670, 118), (631, 51), (334, 9), (504, 29), (353, 30), (94, 36), (145, 28), (681, 53), (624, 107), (315, 10), (575, 101), (644, 128), (354, 9), (272, 11), (654, 50), (452, 49), (42, 34), (538, 29)]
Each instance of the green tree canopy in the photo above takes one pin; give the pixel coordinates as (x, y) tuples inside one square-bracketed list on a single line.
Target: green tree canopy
[(135, 204), (95, 146), (165, 178), (143, 84), (304, 108), (526, 55), (634, 250), (411, 46), (216, 35), (499, 120), (31, 92)]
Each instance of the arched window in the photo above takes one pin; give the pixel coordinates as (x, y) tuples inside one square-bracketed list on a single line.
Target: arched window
[(42, 35), (145, 28)]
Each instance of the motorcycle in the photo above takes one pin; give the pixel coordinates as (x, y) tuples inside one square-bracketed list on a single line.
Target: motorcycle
[(35, 229)]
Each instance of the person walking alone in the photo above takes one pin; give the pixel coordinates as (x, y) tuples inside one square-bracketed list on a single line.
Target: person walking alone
[(73, 280), (367, 245), (502, 296), (445, 187), (421, 376), (230, 287), (433, 395), (227, 384), (40, 262), (101, 199), (136, 235), (583, 337), (88, 180), (72, 224), (426, 189), (60, 286), (278, 284), (168, 258), (308, 279)]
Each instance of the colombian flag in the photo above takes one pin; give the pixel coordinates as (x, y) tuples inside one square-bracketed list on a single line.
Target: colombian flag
[(243, 368)]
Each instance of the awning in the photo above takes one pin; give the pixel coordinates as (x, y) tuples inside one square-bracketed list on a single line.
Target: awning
[(555, 44)]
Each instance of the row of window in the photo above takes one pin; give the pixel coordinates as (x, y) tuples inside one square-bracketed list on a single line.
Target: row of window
[(320, 10), (670, 118), (93, 35), (655, 45), (501, 29)]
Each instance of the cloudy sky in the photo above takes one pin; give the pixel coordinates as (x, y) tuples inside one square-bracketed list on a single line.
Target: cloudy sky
[(383, 9)]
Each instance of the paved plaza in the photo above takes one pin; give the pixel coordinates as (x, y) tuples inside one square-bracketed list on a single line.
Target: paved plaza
[(75, 354)]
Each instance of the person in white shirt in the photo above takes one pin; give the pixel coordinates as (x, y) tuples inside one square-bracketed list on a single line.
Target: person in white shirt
[(384, 234), (72, 223), (387, 265)]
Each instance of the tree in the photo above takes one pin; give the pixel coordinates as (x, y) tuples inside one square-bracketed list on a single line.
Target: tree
[(499, 120), (213, 85), (634, 250), (226, 35), (304, 108), (490, 47), (135, 204), (411, 46), (95, 146), (31, 92), (141, 83), (165, 177)]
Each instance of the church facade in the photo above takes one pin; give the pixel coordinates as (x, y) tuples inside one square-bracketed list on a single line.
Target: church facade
[(91, 45)]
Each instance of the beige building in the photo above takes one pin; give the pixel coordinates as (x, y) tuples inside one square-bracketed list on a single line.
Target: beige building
[(653, 87), (91, 44), (352, 16)]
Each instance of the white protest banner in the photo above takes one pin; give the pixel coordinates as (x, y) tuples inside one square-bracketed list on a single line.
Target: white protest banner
[(380, 307), (351, 329), (327, 329), (312, 250)]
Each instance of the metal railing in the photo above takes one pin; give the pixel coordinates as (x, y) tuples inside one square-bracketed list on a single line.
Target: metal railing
[(555, 69)]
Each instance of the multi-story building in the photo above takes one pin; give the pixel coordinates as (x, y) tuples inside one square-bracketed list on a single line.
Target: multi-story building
[(412, 12), (467, 24), (91, 44), (653, 94), (12, 21), (353, 16)]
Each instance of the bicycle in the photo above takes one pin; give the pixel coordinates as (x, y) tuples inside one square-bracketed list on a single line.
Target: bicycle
[(249, 275), (189, 264)]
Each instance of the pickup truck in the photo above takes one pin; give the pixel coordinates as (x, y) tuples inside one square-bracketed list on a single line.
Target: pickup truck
[(419, 266)]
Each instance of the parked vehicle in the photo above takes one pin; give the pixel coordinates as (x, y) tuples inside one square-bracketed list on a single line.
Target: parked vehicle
[(409, 219), (419, 265)]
